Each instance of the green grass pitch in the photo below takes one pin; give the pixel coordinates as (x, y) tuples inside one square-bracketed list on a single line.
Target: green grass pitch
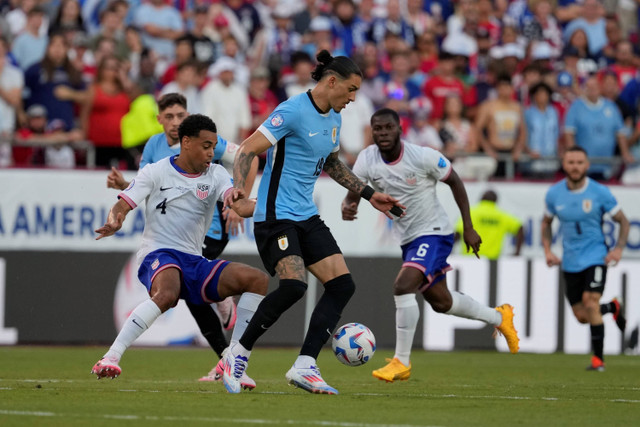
[(51, 386)]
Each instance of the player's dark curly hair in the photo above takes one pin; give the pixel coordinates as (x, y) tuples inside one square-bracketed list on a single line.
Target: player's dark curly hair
[(340, 66), (171, 99), (387, 112), (193, 124)]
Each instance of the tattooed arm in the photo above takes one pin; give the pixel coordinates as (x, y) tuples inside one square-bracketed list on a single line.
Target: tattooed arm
[(343, 176), (249, 149)]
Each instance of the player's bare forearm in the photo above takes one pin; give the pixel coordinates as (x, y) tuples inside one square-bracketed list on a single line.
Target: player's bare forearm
[(241, 168), (460, 196), (545, 231), (342, 174), (623, 234), (115, 219)]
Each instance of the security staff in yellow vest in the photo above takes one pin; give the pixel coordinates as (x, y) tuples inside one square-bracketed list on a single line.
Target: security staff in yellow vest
[(492, 224)]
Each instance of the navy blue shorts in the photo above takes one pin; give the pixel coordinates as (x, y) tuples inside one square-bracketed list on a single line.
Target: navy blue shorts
[(199, 275), (429, 255)]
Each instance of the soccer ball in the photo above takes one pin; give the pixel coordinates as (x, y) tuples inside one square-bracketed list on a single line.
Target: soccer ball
[(353, 344)]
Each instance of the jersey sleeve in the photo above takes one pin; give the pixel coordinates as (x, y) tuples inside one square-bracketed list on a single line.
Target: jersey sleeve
[(609, 202), (281, 123), (549, 205), (436, 164), (140, 186)]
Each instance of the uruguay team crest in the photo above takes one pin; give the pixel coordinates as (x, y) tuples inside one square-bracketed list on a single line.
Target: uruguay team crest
[(202, 191), (587, 204), (283, 243), (334, 135)]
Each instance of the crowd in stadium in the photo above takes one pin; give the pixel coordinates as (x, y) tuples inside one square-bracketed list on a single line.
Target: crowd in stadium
[(501, 87)]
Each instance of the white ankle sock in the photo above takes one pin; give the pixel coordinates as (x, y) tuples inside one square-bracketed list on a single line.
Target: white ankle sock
[(237, 349), (407, 316), (465, 306), (247, 306), (138, 321), (304, 362)]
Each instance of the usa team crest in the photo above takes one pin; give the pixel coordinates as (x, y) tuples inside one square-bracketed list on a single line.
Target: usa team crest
[(283, 243), (202, 191)]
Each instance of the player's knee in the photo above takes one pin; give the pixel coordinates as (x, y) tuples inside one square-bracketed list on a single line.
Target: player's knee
[(341, 289), (254, 280), (166, 299), (441, 305), (293, 290)]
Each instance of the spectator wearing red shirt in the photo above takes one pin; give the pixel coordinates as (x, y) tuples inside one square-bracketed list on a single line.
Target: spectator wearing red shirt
[(107, 102), (445, 84), (623, 67)]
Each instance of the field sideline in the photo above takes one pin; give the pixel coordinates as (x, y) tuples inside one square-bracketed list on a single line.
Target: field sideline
[(51, 386)]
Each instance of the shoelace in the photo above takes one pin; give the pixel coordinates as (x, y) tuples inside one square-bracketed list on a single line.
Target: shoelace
[(239, 366)]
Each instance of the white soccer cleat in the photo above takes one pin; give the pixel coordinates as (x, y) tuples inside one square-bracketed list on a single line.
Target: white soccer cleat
[(309, 379), (228, 313), (106, 368), (233, 370), (213, 374)]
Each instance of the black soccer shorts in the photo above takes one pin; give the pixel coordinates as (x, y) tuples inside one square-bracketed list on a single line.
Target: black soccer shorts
[(591, 279), (310, 239)]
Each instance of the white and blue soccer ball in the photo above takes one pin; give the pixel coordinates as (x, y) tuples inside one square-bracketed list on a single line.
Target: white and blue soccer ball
[(353, 344)]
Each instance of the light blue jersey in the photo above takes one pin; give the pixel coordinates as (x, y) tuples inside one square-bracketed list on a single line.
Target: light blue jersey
[(580, 213), (302, 137), (595, 127), (157, 148)]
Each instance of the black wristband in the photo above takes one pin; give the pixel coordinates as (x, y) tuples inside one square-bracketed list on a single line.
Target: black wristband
[(396, 211), (367, 192)]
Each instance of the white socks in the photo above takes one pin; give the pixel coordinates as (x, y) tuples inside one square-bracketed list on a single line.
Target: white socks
[(247, 306), (465, 306), (407, 316), (138, 321), (304, 362)]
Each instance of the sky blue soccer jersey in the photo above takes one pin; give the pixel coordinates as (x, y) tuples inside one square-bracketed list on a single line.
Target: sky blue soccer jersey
[(302, 137), (580, 213), (595, 127), (157, 148)]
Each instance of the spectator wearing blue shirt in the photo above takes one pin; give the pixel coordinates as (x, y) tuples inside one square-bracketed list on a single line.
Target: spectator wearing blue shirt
[(160, 25), (592, 23), (595, 124), (543, 131), (55, 83), (29, 46)]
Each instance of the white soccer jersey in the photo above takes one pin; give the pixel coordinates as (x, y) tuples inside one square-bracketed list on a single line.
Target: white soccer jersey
[(412, 180), (179, 206)]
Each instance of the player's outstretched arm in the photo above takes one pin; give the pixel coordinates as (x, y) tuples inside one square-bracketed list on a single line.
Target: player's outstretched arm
[(614, 255), (545, 230), (469, 235), (343, 176), (115, 219)]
